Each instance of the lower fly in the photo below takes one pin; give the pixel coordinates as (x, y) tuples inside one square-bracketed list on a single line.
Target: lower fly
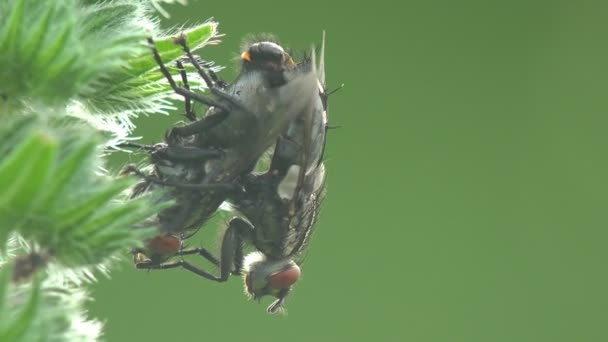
[(281, 206)]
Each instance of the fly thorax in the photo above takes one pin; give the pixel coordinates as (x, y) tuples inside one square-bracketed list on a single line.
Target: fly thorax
[(268, 98)]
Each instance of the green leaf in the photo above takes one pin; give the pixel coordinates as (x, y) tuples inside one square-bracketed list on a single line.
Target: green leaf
[(20, 166), (198, 36), (54, 50), (109, 218), (33, 180), (37, 35), (140, 87), (69, 167), (20, 325), (5, 275), (13, 26), (13, 133), (102, 16), (69, 218)]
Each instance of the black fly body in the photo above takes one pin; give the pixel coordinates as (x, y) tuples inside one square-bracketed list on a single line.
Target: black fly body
[(282, 205), (202, 162)]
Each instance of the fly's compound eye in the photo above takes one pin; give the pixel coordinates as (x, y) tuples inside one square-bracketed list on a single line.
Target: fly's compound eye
[(267, 55), (285, 278), (274, 284), (266, 51), (164, 244)]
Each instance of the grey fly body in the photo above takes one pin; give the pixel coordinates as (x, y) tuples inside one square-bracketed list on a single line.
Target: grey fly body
[(202, 162), (282, 205)]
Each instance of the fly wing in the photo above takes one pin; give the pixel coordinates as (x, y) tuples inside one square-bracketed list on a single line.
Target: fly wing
[(312, 190), (302, 146), (322, 135), (321, 66), (307, 120), (294, 99), (284, 105)]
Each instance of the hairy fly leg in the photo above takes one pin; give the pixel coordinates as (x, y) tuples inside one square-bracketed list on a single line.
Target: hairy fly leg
[(220, 187), (182, 90), (189, 113), (236, 234), (147, 148), (164, 247), (216, 87), (219, 82), (198, 127), (187, 153), (230, 261), (148, 265), (202, 252), (176, 152), (211, 81)]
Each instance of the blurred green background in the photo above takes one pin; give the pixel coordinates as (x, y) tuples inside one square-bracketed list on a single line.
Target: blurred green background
[(467, 191)]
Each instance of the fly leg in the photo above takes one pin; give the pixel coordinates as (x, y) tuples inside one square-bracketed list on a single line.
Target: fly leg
[(199, 126), (185, 153), (202, 252), (209, 67), (213, 87), (176, 152), (182, 90), (216, 87), (227, 187), (231, 257), (147, 148), (189, 113), (148, 265), (236, 234)]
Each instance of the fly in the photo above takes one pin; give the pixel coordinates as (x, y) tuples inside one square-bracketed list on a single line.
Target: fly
[(202, 161), (282, 205)]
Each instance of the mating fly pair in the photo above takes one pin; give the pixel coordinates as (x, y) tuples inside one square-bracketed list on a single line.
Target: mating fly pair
[(209, 160)]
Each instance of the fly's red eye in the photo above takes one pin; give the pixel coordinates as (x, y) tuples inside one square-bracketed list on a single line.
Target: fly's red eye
[(164, 244), (284, 279)]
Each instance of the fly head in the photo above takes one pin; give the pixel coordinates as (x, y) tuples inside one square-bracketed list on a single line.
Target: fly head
[(270, 59), (269, 277)]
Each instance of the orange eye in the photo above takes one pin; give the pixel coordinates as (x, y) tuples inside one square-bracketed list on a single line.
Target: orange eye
[(246, 56)]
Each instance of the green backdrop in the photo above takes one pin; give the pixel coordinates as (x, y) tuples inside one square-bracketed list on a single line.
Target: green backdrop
[(467, 191)]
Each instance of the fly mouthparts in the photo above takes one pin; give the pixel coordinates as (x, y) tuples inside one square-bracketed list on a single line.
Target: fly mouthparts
[(277, 307)]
